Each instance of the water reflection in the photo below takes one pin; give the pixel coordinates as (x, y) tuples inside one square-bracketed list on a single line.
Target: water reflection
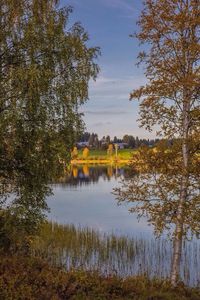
[(84, 197), (92, 174)]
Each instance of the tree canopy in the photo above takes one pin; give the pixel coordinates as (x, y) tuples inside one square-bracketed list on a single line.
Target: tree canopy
[(45, 67), (172, 31), (168, 193)]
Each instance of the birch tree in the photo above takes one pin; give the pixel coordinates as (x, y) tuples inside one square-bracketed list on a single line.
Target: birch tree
[(45, 67), (170, 100)]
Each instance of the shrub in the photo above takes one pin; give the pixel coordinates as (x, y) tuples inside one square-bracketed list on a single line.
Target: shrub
[(31, 278)]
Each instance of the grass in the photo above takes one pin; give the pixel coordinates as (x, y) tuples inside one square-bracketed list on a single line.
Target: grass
[(102, 156), (32, 278), (86, 249)]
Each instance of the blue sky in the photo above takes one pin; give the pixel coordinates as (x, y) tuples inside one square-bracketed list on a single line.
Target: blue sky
[(109, 24)]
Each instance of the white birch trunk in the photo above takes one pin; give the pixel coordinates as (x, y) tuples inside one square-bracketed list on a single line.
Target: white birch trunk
[(178, 238), (178, 234)]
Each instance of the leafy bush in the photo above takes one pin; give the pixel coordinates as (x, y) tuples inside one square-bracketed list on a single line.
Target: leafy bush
[(16, 232), (31, 278)]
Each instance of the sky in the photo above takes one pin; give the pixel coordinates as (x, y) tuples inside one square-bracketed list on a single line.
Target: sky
[(110, 24)]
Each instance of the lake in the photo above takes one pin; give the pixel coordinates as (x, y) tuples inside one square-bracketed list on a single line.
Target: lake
[(85, 198)]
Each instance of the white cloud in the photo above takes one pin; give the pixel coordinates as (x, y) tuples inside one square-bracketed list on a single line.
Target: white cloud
[(115, 88), (109, 111)]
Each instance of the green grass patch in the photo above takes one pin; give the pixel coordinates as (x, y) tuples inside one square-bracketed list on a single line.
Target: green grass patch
[(124, 154)]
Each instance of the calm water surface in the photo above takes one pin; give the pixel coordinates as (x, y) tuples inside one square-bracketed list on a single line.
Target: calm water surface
[(85, 198)]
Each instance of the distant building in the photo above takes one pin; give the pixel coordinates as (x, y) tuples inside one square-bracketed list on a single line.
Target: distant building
[(122, 145), (81, 145)]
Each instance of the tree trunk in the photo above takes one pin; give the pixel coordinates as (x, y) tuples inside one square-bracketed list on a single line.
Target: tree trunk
[(177, 251), (178, 234), (178, 238)]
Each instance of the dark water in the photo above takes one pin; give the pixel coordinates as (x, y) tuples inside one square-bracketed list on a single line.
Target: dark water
[(85, 198)]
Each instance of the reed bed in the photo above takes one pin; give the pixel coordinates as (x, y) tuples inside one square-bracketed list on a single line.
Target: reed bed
[(86, 249)]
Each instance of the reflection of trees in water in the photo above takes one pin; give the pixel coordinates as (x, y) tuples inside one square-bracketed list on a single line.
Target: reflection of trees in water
[(85, 175)]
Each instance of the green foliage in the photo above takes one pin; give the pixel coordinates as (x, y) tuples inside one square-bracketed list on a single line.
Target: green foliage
[(16, 232), (124, 154), (45, 67), (30, 278)]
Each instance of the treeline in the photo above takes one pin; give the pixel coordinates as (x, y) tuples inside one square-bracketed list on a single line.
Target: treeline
[(128, 141)]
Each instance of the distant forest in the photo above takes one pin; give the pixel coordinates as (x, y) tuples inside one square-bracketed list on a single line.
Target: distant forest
[(92, 140)]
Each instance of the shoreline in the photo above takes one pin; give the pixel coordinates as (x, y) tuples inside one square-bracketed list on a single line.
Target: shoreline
[(99, 161)]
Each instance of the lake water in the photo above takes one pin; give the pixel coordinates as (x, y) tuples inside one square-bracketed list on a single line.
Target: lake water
[(85, 198)]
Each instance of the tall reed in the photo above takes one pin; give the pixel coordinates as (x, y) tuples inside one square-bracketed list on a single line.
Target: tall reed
[(84, 248)]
